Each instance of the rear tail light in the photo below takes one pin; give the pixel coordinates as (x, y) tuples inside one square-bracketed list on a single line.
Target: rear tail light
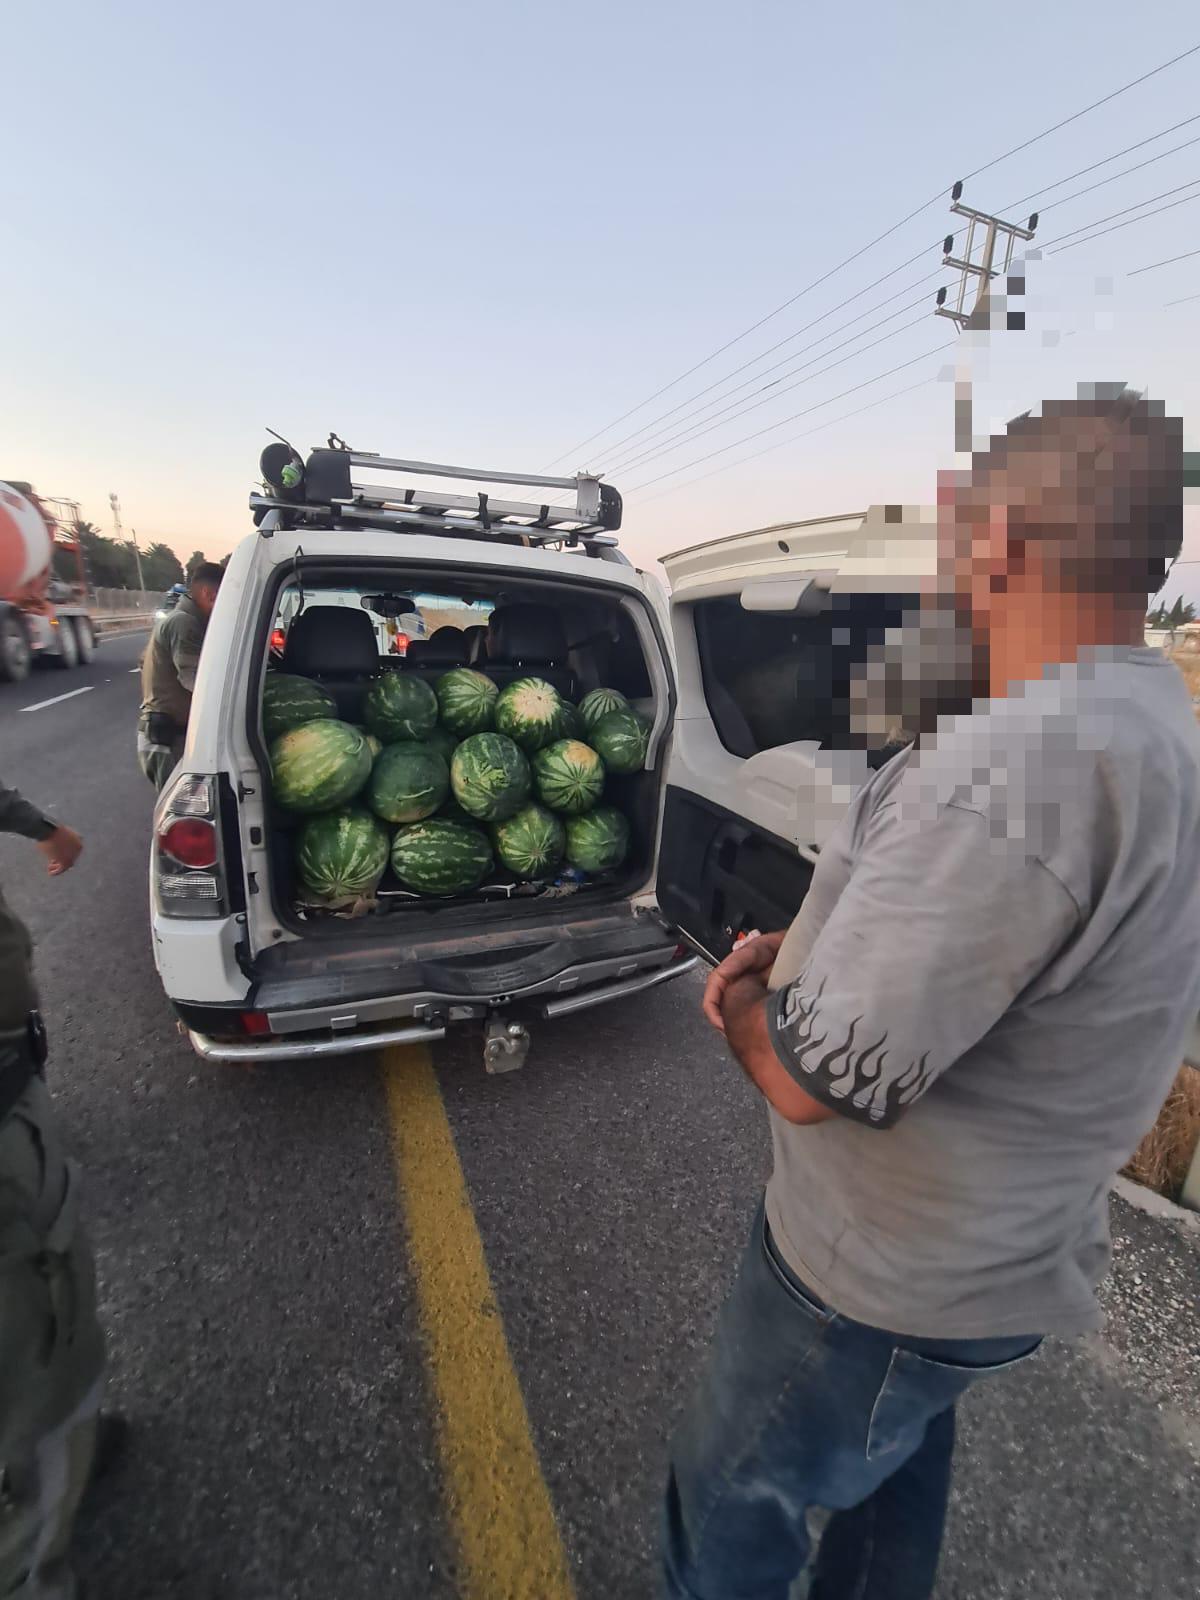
[(188, 866), (192, 841), (255, 1023)]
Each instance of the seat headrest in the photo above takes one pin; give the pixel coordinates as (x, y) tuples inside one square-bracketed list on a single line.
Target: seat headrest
[(445, 647), (527, 635), (331, 639), (476, 638)]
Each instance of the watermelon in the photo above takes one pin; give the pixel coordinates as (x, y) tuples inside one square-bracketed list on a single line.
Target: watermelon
[(341, 855), (451, 811), (466, 700), (441, 857), (443, 741), (400, 706), (598, 703), (621, 737), (527, 711), (569, 776), (374, 745), (319, 766), (598, 840), (289, 702), (531, 843), (570, 723), (408, 781), (490, 777)]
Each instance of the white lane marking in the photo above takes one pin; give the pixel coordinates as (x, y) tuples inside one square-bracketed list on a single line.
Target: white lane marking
[(135, 669), (70, 695)]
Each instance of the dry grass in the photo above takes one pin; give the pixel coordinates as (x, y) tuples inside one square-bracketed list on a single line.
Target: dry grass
[(1188, 662), (1162, 1159)]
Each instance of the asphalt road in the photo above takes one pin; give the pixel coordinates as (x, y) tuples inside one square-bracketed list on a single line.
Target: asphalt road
[(259, 1295)]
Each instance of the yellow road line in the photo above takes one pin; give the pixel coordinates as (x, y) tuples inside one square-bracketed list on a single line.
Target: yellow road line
[(500, 1507)]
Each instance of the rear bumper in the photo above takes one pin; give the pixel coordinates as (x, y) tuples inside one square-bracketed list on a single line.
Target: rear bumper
[(339, 1035)]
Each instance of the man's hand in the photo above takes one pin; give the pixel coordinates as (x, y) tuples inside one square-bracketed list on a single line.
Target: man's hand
[(754, 956), (61, 850)]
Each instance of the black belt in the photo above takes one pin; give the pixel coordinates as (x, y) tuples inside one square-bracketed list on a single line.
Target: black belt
[(22, 1059)]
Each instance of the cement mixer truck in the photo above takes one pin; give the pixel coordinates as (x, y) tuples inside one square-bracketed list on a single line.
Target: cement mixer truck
[(43, 615)]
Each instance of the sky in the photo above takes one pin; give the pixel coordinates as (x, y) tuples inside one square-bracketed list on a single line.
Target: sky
[(481, 234)]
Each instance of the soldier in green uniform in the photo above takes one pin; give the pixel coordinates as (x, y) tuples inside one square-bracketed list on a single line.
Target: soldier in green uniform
[(169, 675), (51, 1346)]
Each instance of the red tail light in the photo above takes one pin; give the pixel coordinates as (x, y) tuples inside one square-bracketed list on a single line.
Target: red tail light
[(192, 841), (255, 1023)]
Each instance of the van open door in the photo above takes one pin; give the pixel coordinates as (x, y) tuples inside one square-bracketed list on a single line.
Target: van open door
[(769, 628)]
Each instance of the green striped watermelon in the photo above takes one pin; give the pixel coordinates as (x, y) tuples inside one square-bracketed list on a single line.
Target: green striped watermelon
[(597, 841), (569, 776), (490, 777), (598, 703), (570, 723), (341, 855), (527, 711), (374, 745), (440, 857), (443, 741), (289, 702), (408, 781), (531, 843), (400, 706), (621, 737), (466, 700), (319, 766)]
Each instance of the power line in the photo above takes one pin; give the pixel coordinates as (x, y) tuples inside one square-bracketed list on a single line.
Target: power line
[(1170, 261), (1127, 224), (791, 439), (667, 446), (795, 416), (878, 239), (645, 428), (1181, 302), (687, 433), (1116, 156)]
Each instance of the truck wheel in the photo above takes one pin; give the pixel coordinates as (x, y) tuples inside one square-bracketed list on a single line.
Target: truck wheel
[(15, 654), (85, 638), (68, 645)]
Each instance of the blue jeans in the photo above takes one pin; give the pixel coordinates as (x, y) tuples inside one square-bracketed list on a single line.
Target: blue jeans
[(802, 1408)]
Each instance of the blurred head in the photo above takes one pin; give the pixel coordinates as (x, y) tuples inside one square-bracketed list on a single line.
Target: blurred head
[(1083, 499), (203, 584)]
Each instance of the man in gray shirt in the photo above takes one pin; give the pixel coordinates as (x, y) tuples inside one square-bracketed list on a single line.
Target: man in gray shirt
[(965, 1032)]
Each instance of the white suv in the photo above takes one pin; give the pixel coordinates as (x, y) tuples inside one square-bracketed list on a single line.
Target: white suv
[(745, 680)]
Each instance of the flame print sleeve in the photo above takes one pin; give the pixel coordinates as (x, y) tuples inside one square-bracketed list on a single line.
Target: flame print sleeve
[(933, 941)]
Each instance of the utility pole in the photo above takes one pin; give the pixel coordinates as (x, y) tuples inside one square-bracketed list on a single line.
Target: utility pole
[(137, 554), (994, 236)]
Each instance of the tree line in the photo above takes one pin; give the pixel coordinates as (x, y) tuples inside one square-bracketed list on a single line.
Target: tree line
[(113, 563)]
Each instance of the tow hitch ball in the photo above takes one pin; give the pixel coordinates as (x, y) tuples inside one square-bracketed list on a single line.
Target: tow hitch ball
[(505, 1045)]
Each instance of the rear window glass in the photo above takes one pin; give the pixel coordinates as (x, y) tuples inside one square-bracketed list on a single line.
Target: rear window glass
[(775, 680), (398, 619)]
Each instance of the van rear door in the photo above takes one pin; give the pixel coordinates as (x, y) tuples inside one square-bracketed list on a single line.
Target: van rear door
[(768, 627)]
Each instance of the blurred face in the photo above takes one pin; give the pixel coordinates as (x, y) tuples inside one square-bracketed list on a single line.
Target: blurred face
[(974, 554), (204, 595)]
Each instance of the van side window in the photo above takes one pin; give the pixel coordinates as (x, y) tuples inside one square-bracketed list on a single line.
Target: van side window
[(774, 680)]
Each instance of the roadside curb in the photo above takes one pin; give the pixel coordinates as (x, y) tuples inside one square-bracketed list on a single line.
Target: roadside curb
[(1157, 1205)]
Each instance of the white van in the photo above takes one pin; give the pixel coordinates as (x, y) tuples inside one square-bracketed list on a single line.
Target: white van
[(744, 679)]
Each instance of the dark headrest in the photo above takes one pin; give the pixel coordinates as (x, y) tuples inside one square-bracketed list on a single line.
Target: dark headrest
[(476, 638), (331, 639), (526, 635), (445, 647)]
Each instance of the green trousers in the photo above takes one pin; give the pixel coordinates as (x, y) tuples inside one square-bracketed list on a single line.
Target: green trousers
[(158, 761), (51, 1353)]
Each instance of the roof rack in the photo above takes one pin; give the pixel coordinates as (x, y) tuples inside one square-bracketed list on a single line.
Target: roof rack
[(329, 489)]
